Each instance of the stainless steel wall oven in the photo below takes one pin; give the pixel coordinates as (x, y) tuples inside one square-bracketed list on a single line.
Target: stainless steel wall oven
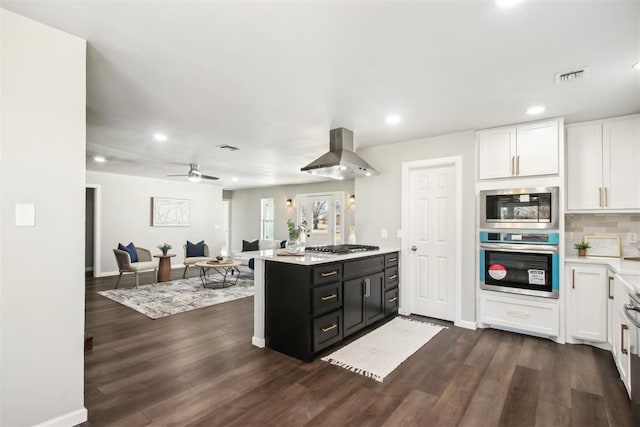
[(520, 263), (531, 208)]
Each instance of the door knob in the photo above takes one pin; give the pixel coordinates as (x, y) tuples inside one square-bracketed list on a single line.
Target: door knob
[(414, 248)]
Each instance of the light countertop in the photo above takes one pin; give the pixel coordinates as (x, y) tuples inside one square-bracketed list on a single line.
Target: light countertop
[(617, 265), (313, 258)]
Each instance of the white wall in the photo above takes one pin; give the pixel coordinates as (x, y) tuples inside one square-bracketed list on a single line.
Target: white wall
[(42, 267), (125, 216), (379, 198), (245, 208)]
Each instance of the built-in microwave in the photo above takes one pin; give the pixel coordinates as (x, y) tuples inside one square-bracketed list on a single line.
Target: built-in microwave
[(534, 208)]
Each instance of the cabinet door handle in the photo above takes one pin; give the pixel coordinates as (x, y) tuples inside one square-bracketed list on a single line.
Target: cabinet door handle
[(329, 328), (518, 313), (606, 197), (573, 279), (392, 259), (394, 277), (610, 280), (328, 297), (623, 328), (330, 273), (513, 165), (517, 165), (599, 196), (367, 287), (394, 299)]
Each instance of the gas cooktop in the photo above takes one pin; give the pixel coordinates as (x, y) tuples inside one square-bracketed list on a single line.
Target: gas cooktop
[(342, 249)]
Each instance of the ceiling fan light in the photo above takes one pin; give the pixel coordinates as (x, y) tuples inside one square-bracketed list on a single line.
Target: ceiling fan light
[(194, 178)]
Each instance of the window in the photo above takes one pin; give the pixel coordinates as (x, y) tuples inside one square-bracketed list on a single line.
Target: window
[(266, 219)]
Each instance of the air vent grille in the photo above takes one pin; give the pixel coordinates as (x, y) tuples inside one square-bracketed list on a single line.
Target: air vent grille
[(228, 147), (569, 76)]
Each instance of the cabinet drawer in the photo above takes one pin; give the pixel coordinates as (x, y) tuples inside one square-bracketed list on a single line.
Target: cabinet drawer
[(391, 278), (327, 274), (327, 330), (326, 298), (391, 301), (533, 316), (364, 266), (391, 260)]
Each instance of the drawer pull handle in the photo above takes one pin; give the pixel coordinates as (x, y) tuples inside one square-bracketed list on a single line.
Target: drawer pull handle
[(328, 297), (329, 328), (392, 259), (394, 299), (517, 313), (329, 273), (367, 287), (623, 328), (394, 277)]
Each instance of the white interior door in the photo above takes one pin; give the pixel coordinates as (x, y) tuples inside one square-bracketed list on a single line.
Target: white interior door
[(432, 240)]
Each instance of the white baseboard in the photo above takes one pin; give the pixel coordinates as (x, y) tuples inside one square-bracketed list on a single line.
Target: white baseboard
[(258, 342), (466, 324), (66, 420), (403, 312), (107, 273)]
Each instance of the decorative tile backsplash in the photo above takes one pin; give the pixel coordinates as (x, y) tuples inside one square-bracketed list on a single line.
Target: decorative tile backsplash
[(576, 226)]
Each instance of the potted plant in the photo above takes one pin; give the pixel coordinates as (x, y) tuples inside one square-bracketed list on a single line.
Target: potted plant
[(582, 248), (164, 248), (294, 244)]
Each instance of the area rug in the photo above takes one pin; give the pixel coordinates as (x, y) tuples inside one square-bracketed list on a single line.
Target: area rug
[(164, 299), (378, 353)]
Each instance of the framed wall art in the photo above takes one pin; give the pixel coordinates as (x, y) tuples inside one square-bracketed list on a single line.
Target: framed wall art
[(167, 212), (606, 246)]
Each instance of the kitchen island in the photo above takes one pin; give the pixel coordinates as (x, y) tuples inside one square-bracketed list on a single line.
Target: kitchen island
[(304, 304)]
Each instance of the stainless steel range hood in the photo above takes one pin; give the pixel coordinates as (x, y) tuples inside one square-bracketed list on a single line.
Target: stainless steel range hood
[(340, 162)]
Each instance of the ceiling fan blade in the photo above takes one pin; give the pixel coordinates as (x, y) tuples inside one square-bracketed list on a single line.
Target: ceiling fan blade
[(177, 175), (209, 177)]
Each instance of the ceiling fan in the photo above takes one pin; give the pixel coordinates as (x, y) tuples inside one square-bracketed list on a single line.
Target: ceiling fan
[(194, 174)]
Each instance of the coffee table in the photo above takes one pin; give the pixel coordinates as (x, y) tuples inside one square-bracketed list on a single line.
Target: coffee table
[(223, 269)]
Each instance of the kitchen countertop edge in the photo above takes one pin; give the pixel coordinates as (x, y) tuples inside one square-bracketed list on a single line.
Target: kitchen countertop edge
[(320, 258)]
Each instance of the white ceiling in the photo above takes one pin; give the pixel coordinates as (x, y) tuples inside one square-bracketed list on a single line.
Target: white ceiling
[(272, 78)]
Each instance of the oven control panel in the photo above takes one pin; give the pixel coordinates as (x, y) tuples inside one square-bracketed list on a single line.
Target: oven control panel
[(528, 238)]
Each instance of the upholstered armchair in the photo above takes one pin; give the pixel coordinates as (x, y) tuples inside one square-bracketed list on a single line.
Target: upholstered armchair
[(190, 261), (145, 263)]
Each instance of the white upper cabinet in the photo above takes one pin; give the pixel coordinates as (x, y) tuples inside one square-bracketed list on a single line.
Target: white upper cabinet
[(496, 151), (528, 149), (603, 165)]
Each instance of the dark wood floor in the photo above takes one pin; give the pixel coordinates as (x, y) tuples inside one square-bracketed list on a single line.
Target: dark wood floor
[(199, 368)]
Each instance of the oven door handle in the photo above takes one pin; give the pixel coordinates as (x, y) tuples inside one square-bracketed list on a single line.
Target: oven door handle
[(506, 247), (627, 309)]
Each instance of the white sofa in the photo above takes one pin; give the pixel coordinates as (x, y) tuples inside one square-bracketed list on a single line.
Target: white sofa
[(263, 244)]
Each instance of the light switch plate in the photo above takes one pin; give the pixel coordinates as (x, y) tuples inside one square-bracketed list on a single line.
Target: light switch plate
[(399, 234), (25, 215), (632, 237), (383, 233)]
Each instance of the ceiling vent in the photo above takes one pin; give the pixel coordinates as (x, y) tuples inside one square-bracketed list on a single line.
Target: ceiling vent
[(228, 147), (569, 76)]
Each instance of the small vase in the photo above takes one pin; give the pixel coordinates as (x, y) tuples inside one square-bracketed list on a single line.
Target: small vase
[(294, 246), (352, 238), (582, 252)]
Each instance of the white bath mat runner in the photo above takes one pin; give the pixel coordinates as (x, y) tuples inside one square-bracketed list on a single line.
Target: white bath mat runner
[(378, 353)]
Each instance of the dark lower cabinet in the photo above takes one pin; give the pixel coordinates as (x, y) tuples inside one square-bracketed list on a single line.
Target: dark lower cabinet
[(309, 308)]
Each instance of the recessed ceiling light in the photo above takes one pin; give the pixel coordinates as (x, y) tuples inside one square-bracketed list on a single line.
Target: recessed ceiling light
[(536, 109), (99, 159), (234, 179), (636, 66), (393, 119), (503, 4), (160, 137)]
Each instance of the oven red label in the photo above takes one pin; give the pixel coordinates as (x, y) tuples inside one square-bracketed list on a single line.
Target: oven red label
[(497, 271)]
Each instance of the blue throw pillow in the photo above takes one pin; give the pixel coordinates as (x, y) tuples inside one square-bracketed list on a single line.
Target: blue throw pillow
[(250, 246), (283, 244), (195, 249), (131, 248)]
